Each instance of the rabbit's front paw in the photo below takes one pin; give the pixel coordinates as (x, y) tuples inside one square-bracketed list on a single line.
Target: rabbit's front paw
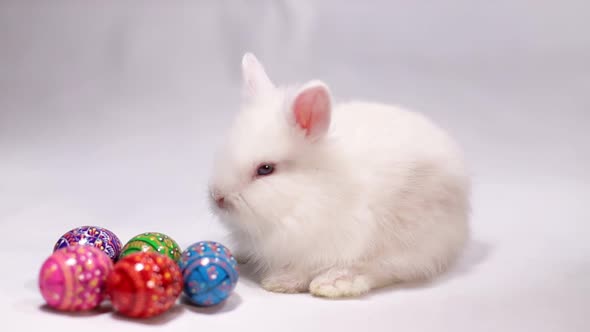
[(284, 283), (241, 258), (339, 283)]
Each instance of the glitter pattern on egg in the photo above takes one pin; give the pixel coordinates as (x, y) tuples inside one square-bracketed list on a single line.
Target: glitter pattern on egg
[(144, 284), (154, 242), (95, 236), (210, 273), (74, 278)]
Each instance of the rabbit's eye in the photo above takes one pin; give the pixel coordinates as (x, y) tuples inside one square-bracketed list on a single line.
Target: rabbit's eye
[(265, 169)]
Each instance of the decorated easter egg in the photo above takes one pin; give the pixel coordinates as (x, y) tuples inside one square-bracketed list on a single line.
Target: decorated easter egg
[(74, 278), (210, 273), (144, 284), (95, 236), (152, 241)]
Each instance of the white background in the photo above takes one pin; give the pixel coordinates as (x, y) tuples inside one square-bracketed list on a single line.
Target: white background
[(110, 112)]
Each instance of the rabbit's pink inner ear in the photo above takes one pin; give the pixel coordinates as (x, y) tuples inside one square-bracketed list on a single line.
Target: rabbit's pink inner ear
[(312, 111)]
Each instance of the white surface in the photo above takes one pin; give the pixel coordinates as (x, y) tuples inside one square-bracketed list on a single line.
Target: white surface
[(109, 114)]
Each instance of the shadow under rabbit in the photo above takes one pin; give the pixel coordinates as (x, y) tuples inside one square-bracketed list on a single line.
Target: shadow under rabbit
[(475, 253)]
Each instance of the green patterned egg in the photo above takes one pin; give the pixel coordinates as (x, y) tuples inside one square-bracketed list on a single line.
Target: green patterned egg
[(153, 242)]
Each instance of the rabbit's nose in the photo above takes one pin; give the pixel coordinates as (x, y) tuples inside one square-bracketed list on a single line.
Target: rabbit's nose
[(220, 201)]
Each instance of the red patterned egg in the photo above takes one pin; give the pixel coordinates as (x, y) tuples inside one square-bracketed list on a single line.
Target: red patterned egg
[(144, 284), (74, 278)]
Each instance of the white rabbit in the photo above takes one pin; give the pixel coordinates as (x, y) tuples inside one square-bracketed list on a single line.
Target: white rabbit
[(337, 199)]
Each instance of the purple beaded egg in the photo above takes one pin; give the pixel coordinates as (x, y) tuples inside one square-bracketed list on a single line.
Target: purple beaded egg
[(74, 278), (93, 236)]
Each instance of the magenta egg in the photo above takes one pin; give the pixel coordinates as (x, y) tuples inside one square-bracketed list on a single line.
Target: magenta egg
[(74, 278)]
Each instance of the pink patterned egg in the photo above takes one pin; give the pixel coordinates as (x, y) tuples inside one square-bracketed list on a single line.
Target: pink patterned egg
[(74, 278)]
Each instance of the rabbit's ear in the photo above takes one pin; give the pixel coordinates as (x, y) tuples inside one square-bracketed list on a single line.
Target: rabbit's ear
[(312, 109), (254, 76)]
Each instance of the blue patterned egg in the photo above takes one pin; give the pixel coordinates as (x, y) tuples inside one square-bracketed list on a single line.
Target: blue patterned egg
[(210, 273)]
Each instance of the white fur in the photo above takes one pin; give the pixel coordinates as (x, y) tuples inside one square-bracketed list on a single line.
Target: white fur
[(383, 197)]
